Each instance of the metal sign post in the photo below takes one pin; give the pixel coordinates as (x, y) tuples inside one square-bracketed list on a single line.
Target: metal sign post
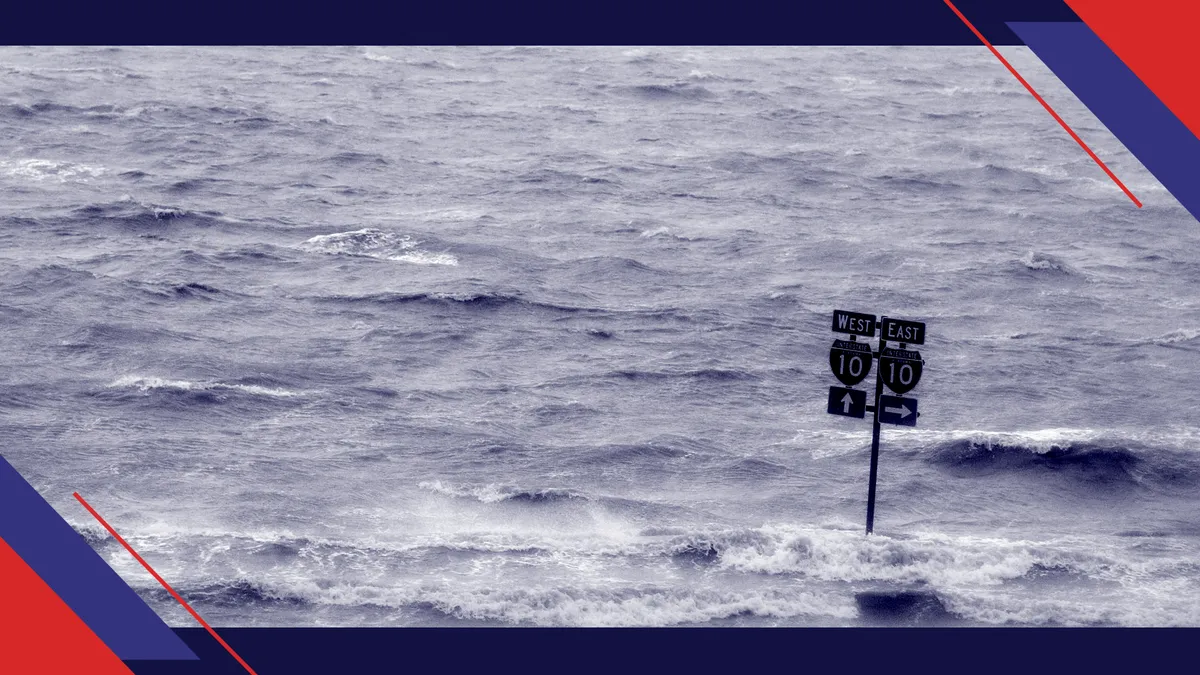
[(900, 369)]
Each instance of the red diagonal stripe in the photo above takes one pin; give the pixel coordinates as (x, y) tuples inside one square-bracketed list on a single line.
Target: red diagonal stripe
[(165, 585), (1045, 105)]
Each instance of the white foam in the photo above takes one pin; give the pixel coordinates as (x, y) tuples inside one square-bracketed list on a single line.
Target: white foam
[(1042, 261), (487, 494), (1176, 336), (798, 574), (43, 169), (152, 383), (378, 244)]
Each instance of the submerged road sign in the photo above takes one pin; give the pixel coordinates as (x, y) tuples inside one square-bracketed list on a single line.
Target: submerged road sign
[(900, 369), (850, 361), (853, 323), (848, 402), (898, 410)]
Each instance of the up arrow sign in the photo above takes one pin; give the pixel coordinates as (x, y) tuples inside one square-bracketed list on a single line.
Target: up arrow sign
[(898, 410), (847, 400)]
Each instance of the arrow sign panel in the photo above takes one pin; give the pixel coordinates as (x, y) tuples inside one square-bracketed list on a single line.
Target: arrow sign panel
[(847, 402), (850, 361), (900, 369), (898, 410)]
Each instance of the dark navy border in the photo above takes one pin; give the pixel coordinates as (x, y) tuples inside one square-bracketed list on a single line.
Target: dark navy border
[(685, 650), (480, 22)]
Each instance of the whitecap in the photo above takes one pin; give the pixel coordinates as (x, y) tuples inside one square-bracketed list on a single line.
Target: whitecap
[(379, 244), (142, 383), (42, 169)]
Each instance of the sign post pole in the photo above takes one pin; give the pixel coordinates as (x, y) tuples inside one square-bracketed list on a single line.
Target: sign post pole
[(875, 442)]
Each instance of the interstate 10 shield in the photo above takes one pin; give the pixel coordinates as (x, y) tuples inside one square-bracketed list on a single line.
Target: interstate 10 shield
[(900, 369), (850, 361)]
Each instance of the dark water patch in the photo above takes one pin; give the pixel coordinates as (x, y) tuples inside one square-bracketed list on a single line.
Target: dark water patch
[(248, 253), (562, 412), (1179, 528), (381, 392), (146, 217), (170, 291), (996, 178), (121, 336), (134, 175), (564, 178), (668, 447), (914, 182), (1053, 573), (547, 496), (960, 115), (602, 268), (19, 396), (696, 553), (358, 158), (637, 452), (50, 109), (677, 91), (233, 594), (195, 290), (45, 280), (16, 111), (254, 123), (709, 374), (480, 301), (753, 468), (194, 184), (903, 607), (283, 549)]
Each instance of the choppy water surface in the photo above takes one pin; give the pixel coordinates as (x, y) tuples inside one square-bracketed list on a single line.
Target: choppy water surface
[(400, 336)]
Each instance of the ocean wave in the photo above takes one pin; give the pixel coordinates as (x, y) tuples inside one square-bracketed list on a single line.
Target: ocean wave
[(836, 555), (1044, 262), (631, 606), (378, 244), (529, 604), (1174, 337), (239, 593), (493, 493), (42, 169), (829, 575), (1090, 456), (466, 300), (711, 374), (149, 384), (129, 213), (668, 92)]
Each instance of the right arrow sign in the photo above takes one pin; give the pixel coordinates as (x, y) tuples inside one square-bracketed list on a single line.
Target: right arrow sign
[(898, 410)]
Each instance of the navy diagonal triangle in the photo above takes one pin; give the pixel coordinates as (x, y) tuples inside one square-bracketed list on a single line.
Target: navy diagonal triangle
[(74, 571), (1122, 102)]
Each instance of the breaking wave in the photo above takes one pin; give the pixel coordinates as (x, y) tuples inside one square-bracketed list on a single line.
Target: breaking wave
[(150, 384), (377, 244)]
